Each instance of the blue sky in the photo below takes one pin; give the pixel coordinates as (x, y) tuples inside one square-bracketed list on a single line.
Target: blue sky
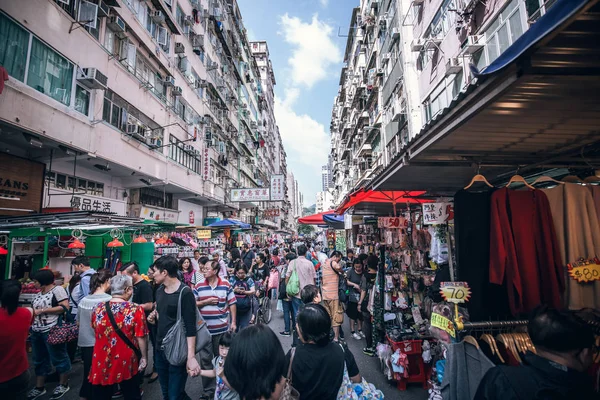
[(307, 56)]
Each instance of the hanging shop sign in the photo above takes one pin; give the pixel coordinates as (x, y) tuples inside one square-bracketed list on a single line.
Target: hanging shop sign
[(437, 213), (156, 214), (455, 292), (203, 234), (206, 164), (58, 198), (392, 222), (256, 194), (21, 185), (585, 270), (191, 217), (369, 220), (443, 323), (271, 212), (277, 188)]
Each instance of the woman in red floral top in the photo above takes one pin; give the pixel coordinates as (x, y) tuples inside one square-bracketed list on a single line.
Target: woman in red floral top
[(113, 360)]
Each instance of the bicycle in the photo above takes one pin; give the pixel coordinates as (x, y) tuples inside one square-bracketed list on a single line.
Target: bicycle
[(265, 309)]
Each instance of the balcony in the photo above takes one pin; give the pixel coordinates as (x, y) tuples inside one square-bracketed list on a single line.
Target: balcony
[(364, 150)]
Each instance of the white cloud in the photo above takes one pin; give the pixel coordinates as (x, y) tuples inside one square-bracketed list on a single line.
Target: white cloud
[(324, 3), (313, 50)]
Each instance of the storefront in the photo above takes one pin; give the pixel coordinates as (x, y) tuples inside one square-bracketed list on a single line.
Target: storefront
[(21, 185)]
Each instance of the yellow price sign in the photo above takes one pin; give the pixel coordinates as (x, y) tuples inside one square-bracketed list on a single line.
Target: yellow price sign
[(585, 270), (203, 234), (443, 323), (455, 292)]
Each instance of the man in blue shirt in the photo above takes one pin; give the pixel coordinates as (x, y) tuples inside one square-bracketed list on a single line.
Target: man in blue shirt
[(81, 264)]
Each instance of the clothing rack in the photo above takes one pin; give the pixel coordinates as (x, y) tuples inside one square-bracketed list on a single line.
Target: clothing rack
[(461, 326)]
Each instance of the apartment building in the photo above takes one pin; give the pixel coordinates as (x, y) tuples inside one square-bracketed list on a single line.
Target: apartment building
[(144, 108), (405, 62), (295, 200), (324, 201)]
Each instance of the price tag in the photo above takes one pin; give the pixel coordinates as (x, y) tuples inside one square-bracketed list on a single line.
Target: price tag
[(455, 292), (443, 323), (585, 270)]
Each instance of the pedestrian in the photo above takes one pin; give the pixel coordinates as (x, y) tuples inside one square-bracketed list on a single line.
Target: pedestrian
[(223, 391), (194, 260), (247, 256), (234, 261), (354, 279), (306, 275), (172, 378), (49, 305), (187, 270), (223, 266), (72, 290), (99, 287), (15, 322), (81, 265), (120, 350), (255, 364), (217, 304), (243, 287), (275, 257), (152, 376), (332, 273), (289, 317), (349, 257), (318, 363), (366, 286)]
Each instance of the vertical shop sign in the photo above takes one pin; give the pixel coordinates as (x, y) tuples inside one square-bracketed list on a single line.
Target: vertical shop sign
[(277, 188), (437, 213), (206, 164)]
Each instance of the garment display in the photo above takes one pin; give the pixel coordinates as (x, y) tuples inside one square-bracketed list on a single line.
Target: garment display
[(578, 232), (465, 367), (524, 250)]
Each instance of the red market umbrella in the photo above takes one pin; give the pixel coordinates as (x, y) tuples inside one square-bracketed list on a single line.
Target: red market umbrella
[(381, 196), (315, 219)]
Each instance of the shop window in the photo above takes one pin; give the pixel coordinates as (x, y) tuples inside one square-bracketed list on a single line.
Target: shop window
[(82, 100), (50, 73), (14, 42)]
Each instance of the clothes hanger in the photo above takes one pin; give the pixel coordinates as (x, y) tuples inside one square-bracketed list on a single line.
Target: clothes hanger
[(471, 340), (519, 179), (545, 179), (572, 179), (478, 178), (592, 180)]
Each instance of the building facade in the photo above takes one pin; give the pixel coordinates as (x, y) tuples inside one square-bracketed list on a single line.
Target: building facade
[(324, 201), (405, 62), (156, 109)]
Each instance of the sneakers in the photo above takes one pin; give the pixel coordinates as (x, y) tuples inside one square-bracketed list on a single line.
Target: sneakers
[(369, 351), (361, 334), (59, 392), (117, 395), (356, 336), (285, 333), (35, 393)]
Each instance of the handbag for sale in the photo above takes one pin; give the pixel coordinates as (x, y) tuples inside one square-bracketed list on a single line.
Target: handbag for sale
[(289, 392), (174, 344), (63, 331)]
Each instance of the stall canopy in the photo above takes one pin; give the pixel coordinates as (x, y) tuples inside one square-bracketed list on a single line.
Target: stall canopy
[(230, 223), (334, 221), (315, 219), (389, 197)]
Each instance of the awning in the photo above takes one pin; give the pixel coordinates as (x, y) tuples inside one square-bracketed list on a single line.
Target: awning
[(334, 221), (229, 223), (391, 197), (315, 219), (537, 107)]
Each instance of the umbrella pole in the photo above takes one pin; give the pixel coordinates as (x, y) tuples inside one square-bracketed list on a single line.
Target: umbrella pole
[(394, 205)]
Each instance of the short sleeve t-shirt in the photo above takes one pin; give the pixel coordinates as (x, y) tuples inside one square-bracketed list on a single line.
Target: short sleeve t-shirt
[(166, 306), (43, 322), (356, 278), (216, 316), (142, 293), (13, 335), (222, 391)]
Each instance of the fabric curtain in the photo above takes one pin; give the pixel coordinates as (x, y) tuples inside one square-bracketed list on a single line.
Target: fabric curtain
[(14, 41), (50, 73)]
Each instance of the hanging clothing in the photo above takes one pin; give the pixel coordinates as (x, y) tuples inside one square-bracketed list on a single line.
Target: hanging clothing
[(524, 251), (465, 367), (472, 234), (578, 231), (595, 189)]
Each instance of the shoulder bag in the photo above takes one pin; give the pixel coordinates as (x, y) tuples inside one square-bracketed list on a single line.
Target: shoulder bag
[(120, 333), (174, 344), (63, 331), (293, 286), (342, 285), (289, 392)]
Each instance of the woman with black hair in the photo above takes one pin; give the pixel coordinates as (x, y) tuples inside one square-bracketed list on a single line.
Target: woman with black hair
[(318, 363), (187, 271), (366, 286), (234, 261), (15, 322), (255, 366)]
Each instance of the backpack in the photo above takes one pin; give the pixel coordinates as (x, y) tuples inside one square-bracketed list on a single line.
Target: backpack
[(243, 302)]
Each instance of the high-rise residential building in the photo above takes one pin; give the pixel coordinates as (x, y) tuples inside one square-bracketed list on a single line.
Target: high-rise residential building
[(143, 108), (324, 201), (325, 177)]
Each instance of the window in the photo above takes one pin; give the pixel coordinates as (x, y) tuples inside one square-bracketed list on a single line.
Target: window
[(82, 100), (14, 42), (50, 73), (156, 198), (180, 16), (62, 181), (442, 95), (184, 154)]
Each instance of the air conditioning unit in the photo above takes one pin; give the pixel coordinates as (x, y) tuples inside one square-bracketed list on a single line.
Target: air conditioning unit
[(418, 2), (169, 81), (183, 64), (380, 71), (453, 66), (188, 147), (253, 125), (212, 65), (198, 40), (116, 24), (157, 16), (92, 78), (179, 48), (200, 83), (197, 153), (177, 91), (103, 9), (417, 44), (395, 33), (189, 20), (474, 43), (386, 57)]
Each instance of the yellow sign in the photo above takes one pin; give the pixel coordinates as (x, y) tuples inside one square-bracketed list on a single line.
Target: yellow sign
[(443, 323), (455, 292), (585, 270), (203, 234)]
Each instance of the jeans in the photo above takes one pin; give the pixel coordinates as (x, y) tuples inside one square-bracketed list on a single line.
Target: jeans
[(16, 388), (46, 355), (207, 354), (367, 328), (296, 305), (288, 315), (172, 378), (86, 386), (243, 319), (130, 389)]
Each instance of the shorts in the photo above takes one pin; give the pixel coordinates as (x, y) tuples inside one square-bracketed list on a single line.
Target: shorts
[(352, 311), (335, 310)]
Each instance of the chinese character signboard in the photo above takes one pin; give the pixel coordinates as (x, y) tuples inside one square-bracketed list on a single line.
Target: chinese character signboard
[(21, 185), (203, 234), (437, 213), (256, 194), (206, 163), (156, 214), (277, 188), (58, 198)]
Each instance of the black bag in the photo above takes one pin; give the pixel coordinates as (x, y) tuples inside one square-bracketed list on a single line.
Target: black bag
[(120, 333), (243, 302), (342, 285), (282, 288)]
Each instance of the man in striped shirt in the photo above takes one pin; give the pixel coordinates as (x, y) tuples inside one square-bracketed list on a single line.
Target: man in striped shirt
[(216, 301)]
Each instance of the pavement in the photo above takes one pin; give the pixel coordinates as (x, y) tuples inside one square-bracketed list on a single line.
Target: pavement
[(369, 368)]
